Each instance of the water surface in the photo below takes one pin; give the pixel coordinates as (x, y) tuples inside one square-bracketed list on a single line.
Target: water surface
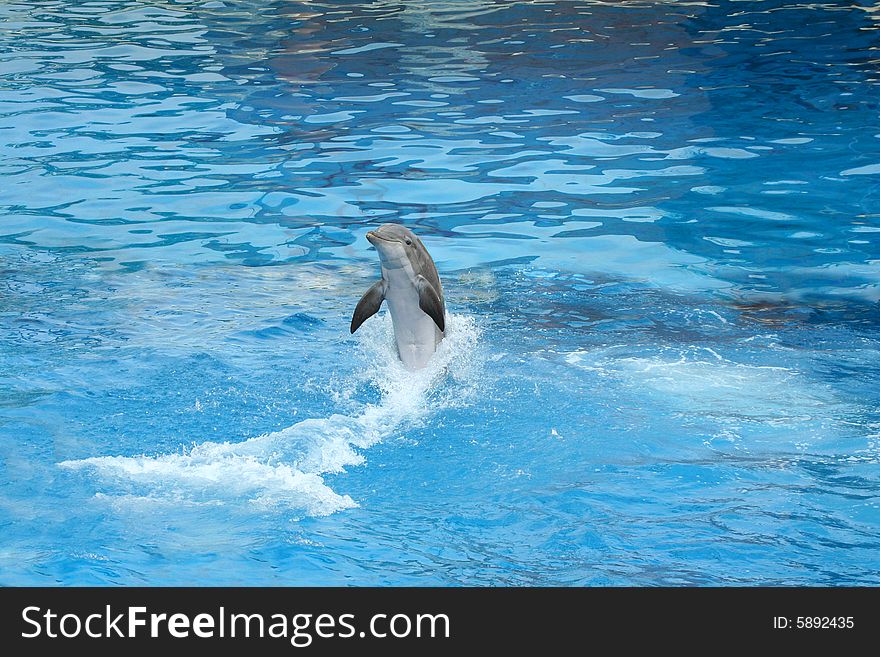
[(657, 228)]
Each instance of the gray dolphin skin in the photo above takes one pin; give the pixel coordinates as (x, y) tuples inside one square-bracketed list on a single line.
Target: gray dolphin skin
[(411, 286)]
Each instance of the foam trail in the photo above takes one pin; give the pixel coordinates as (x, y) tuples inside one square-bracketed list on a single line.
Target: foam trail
[(285, 468)]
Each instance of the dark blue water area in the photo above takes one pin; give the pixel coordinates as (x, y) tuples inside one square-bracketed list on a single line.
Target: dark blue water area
[(657, 229)]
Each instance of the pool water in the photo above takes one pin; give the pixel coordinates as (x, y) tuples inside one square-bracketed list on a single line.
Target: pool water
[(656, 224)]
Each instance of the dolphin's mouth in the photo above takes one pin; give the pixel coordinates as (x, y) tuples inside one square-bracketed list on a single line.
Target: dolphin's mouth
[(373, 235)]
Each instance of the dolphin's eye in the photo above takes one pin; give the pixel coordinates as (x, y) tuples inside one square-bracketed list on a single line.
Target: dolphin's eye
[(409, 242)]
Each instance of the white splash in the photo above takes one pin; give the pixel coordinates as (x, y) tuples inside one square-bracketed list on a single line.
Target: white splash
[(285, 468)]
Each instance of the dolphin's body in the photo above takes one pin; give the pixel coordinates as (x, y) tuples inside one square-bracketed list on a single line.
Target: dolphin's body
[(412, 287)]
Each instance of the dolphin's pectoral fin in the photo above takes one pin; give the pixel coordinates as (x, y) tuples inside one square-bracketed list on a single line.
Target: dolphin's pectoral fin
[(429, 302), (368, 305)]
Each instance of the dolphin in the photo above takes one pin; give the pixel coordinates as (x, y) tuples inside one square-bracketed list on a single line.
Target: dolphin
[(412, 287)]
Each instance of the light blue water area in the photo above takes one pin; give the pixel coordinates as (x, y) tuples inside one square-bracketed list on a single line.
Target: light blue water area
[(657, 227)]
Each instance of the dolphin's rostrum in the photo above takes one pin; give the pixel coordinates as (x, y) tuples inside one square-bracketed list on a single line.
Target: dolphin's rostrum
[(411, 286)]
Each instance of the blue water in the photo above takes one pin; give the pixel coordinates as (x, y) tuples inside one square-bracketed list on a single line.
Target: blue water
[(656, 223)]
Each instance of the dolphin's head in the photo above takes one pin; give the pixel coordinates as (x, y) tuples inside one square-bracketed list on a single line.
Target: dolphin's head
[(396, 244)]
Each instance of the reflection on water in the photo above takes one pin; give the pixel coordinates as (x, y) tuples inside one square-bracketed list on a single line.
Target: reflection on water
[(661, 215), (206, 131)]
